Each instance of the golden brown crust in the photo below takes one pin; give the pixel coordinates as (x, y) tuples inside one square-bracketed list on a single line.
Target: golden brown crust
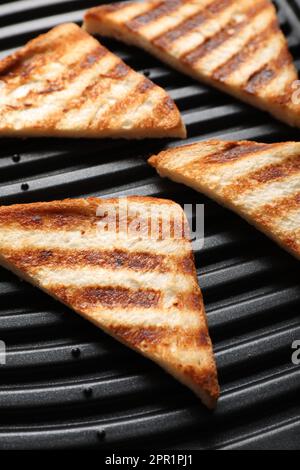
[(65, 83)]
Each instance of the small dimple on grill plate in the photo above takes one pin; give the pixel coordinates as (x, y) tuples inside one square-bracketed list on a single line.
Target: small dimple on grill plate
[(65, 383)]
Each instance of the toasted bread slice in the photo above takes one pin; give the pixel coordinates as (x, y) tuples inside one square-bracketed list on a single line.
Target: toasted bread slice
[(261, 182), (96, 256), (65, 83), (234, 45)]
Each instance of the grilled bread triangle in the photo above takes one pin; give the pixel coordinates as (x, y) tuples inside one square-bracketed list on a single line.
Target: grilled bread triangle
[(261, 182), (234, 45), (65, 83), (96, 256)]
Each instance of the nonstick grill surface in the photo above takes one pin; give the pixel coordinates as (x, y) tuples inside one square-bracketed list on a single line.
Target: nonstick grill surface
[(67, 384)]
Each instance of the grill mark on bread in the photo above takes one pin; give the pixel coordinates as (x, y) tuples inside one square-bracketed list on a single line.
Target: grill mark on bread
[(63, 79), (269, 72), (90, 58), (94, 90), (285, 97), (45, 218), (231, 29), (121, 70), (111, 259), (167, 38), (111, 297), (168, 104), (157, 337), (158, 11), (118, 71), (120, 108), (268, 213), (264, 175), (145, 86), (70, 72), (260, 79), (233, 151), (162, 110), (67, 218), (144, 105), (149, 337), (191, 23), (282, 170), (60, 83), (211, 43), (243, 55), (190, 300), (13, 65), (187, 264)]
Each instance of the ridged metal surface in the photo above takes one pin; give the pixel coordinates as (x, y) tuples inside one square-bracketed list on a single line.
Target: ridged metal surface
[(65, 383)]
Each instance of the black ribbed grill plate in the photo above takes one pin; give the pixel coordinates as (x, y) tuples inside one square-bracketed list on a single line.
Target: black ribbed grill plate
[(110, 396)]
